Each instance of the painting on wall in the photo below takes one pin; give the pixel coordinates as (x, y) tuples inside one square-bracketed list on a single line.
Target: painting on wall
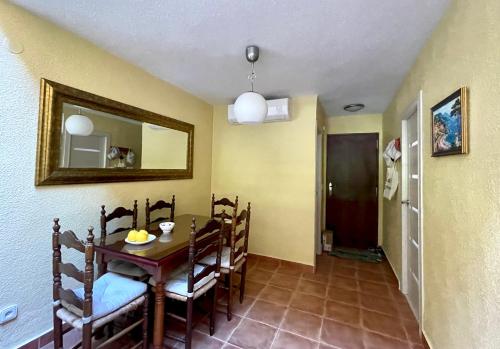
[(449, 125)]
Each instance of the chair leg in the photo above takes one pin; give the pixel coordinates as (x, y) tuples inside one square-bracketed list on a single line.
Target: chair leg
[(213, 310), (189, 323), (58, 334), (87, 336), (230, 295), (145, 306), (242, 281)]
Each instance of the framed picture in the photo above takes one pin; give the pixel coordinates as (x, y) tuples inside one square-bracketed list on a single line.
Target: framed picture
[(449, 125)]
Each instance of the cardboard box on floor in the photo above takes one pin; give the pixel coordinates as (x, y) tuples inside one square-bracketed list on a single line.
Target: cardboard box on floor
[(327, 240)]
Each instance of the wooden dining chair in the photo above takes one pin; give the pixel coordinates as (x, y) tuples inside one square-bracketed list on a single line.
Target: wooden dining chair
[(234, 257), (192, 280), (159, 205), (118, 266), (98, 302), (224, 202)]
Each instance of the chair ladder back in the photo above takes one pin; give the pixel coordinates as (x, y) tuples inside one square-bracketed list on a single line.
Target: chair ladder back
[(247, 230), (118, 212), (201, 244), (235, 238), (69, 239), (160, 204), (223, 202)]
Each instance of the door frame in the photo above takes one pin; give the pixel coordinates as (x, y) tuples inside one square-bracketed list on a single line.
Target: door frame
[(415, 107)]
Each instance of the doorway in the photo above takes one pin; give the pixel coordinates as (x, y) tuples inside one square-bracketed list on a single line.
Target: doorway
[(352, 189), (411, 206)]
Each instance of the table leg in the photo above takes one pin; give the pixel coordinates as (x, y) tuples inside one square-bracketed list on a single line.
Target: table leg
[(158, 331)]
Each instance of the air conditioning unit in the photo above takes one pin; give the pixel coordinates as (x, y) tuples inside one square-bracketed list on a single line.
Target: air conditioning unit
[(277, 110)]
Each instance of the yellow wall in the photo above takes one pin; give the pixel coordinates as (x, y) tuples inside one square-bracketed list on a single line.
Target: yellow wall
[(273, 166), (58, 55), (363, 123), (164, 148), (461, 198)]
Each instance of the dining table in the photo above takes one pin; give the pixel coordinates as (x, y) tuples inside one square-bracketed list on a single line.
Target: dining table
[(158, 258)]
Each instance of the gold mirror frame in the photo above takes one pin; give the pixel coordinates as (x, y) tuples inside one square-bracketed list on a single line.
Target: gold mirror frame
[(48, 172)]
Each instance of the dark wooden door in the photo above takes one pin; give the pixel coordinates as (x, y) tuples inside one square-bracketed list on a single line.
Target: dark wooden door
[(352, 189)]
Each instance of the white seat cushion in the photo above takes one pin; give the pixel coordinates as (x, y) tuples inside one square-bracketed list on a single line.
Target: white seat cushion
[(111, 292), (225, 258), (127, 269), (176, 285)]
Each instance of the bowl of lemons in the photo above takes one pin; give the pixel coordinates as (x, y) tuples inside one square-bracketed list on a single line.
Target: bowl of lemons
[(139, 237)]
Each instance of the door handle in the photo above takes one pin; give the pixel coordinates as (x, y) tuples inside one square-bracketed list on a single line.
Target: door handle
[(330, 189), (405, 202)]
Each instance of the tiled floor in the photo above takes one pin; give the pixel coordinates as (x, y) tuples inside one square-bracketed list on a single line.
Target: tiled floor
[(346, 304)]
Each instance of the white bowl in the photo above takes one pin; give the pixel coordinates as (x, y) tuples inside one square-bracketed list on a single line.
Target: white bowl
[(167, 227)]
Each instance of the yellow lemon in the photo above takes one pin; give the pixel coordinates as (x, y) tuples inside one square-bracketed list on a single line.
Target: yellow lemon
[(132, 235), (142, 236)]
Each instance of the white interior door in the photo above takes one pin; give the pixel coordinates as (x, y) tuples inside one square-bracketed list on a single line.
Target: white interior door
[(412, 210)]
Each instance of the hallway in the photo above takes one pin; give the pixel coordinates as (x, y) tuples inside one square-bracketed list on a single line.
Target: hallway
[(346, 304)]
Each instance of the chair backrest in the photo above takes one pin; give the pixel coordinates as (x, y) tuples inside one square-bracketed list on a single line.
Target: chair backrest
[(239, 239), (202, 243), (65, 296), (159, 205), (225, 202), (118, 212)]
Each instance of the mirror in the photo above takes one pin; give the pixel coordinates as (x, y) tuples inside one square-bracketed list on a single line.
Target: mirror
[(85, 138)]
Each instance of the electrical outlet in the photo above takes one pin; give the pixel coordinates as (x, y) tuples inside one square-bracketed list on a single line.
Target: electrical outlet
[(8, 313)]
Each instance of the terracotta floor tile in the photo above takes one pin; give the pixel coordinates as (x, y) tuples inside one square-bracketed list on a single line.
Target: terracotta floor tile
[(373, 267), (269, 264), (266, 312), (251, 334), (201, 340), (253, 288), (344, 296), (229, 346), (286, 340), (417, 346), (412, 331), (241, 309), (223, 328), (259, 275), (284, 281), (397, 295), (344, 282), (301, 323), (276, 295), (375, 288), (376, 341), (382, 305), (391, 279), (309, 303), (405, 311), (342, 336), (344, 271), (371, 276), (383, 324), (312, 287), (343, 313), (318, 277), (290, 269)]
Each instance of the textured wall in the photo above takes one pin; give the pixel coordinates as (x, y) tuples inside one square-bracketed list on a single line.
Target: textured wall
[(462, 192), (364, 123), (273, 166), (26, 211)]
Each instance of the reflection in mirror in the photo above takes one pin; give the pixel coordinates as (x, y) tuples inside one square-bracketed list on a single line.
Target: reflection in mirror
[(96, 139)]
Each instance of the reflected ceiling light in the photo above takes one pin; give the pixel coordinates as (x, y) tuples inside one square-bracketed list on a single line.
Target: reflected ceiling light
[(250, 107), (79, 125), (354, 107)]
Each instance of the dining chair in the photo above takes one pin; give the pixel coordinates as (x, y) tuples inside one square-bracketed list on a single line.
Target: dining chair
[(159, 205), (98, 302), (224, 202), (234, 257), (192, 280), (117, 266)]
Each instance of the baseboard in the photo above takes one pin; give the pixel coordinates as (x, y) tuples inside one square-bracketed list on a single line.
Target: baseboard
[(424, 340), (392, 267), (44, 339), (305, 267)]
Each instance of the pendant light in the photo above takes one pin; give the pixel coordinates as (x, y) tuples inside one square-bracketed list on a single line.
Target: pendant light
[(79, 125), (250, 107)]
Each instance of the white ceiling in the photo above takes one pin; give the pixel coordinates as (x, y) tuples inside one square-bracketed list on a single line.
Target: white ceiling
[(346, 51)]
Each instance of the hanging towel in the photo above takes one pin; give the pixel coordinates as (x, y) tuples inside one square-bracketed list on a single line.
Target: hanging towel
[(391, 153), (391, 183)]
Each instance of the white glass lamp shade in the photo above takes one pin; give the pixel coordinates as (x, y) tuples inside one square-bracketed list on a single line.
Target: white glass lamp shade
[(250, 108), (79, 125)]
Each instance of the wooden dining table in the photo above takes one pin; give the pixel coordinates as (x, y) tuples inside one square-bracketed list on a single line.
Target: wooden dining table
[(158, 258)]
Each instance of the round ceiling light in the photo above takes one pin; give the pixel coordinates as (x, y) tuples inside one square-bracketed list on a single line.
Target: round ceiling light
[(79, 125), (354, 107)]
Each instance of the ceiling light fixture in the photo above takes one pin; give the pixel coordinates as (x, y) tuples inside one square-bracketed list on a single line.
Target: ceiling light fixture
[(79, 125), (250, 107), (354, 107)]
